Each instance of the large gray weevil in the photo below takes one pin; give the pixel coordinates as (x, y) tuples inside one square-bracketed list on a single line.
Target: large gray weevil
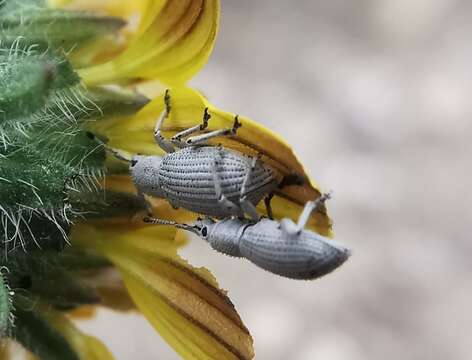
[(209, 180), (283, 248)]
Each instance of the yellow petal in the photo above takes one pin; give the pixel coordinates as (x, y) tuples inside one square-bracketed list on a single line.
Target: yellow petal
[(135, 134), (87, 347), (173, 42), (183, 303)]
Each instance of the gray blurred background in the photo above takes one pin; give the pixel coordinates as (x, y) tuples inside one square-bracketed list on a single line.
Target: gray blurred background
[(374, 97)]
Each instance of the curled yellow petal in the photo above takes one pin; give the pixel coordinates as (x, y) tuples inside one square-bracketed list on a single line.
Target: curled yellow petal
[(173, 41), (87, 347), (183, 303), (135, 134)]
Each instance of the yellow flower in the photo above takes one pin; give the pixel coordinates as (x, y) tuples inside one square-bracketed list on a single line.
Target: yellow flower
[(169, 44)]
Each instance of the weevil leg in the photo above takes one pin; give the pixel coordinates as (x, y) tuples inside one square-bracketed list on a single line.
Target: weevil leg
[(177, 138), (248, 175), (311, 206), (268, 206), (203, 139), (247, 206), (163, 143), (112, 151), (223, 201)]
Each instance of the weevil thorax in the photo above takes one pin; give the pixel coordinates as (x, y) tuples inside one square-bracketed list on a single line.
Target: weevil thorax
[(223, 236), (145, 173)]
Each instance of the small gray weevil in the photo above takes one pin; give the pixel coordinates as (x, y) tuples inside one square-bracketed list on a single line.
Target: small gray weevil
[(283, 248), (209, 180)]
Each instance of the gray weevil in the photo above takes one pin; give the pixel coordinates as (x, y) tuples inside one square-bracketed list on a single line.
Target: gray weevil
[(283, 248), (209, 180)]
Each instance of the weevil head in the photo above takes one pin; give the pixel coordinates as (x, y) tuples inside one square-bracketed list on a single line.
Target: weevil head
[(145, 173), (203, 227)]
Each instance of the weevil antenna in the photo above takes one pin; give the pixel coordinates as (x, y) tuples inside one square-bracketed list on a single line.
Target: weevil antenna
[(156, 221), (112, 151)]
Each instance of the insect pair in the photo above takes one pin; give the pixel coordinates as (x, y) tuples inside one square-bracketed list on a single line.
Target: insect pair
[(224, 184)]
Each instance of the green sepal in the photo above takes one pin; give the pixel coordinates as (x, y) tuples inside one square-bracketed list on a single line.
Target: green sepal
[(79, 104), (33, 332), (63, 290), (114, 102), (106, 204), (5, 306), (60, 29), (42, 274), (72, 107)]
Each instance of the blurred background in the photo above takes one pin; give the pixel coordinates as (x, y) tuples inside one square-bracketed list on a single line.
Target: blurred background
[(374, 97)]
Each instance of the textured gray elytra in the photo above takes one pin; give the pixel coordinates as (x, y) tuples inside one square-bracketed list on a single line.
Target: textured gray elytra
[(209, 180), (283, 248)]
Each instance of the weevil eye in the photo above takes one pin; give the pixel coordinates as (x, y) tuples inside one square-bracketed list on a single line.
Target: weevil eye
[(204, 231), (133, 162)]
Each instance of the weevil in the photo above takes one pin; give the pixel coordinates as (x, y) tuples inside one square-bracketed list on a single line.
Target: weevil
[(284, 248), (209, 180)]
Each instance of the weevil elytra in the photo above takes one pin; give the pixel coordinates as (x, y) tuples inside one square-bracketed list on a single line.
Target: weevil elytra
[(284, 248), (209, 180)]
